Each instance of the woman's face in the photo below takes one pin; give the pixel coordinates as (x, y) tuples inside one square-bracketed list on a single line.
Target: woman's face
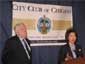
[(72, 38)]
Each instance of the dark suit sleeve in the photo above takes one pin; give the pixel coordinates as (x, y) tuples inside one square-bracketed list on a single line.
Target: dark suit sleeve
[(7, 52), (29, 42), (61, 55)]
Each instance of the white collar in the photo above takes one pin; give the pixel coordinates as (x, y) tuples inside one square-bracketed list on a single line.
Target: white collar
[(72, 46), (20, 38)]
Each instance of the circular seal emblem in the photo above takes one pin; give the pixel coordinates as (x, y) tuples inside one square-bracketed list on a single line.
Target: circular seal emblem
[(44, 25)]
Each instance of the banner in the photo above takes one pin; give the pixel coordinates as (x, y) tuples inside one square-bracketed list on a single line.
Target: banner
[(43, 21)]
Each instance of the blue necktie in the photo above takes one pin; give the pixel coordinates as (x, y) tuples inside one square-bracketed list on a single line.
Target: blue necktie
[(26, 46)]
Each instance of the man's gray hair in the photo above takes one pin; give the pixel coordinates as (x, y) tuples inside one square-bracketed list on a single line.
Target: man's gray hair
[(17, 25)]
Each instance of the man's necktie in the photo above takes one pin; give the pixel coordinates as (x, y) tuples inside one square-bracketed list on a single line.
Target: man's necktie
[(27, 48)]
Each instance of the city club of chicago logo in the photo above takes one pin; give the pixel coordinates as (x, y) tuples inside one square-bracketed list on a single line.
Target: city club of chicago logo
[(44, 25)]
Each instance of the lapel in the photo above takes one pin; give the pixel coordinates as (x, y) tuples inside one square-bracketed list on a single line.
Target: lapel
[(78, 51), (20, 51), (69, 50), (20, 46)]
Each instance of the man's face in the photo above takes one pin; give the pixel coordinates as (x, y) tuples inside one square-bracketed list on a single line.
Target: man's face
[(22, 31), (72, 38)]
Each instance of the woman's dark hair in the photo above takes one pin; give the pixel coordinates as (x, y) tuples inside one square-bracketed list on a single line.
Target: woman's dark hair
[(70, 30)]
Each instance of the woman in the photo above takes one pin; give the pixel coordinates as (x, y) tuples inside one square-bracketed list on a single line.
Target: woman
[(71, 50)]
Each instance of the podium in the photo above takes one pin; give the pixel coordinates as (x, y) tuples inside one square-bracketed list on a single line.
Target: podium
[(79, 60)]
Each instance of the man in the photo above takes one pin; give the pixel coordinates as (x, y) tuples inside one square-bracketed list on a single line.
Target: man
[(71, 50), (17, 49)]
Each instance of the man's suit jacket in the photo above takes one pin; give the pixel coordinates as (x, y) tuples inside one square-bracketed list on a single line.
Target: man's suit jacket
[(14, 52), (67, 50)]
